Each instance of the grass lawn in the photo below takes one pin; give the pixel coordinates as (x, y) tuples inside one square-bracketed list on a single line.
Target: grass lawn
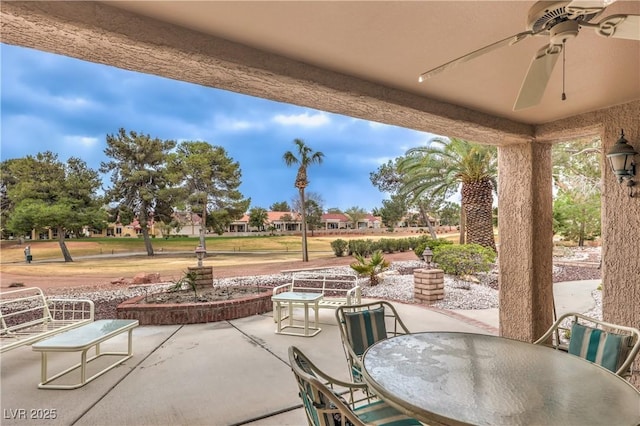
[(126, 256)]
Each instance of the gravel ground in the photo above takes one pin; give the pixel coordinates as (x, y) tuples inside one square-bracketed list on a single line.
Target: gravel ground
[(396, 285)]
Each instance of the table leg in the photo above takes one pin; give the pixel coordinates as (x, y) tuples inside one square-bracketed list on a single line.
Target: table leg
[(43, 367), (316, 309), (83, 367), (306, 318), (130, 351), (290, 314), (278, 318)]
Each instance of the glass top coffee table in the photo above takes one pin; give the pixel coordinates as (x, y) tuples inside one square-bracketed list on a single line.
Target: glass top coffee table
[(292, 298), (462, 378)]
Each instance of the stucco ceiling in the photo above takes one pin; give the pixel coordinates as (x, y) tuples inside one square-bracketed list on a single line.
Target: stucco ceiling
[(391, 42)]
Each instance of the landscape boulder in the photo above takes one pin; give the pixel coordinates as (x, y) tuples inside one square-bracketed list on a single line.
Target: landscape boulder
[(144, 278)]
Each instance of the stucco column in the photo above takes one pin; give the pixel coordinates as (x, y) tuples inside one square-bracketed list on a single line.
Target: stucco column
[(621, 224), (525, 240)]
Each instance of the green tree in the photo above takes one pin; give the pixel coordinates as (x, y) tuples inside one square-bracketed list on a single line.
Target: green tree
[(449, 214), (305, 157), (139, 178), (45, 193), (576, 215), (392, 211), (334, 210), (313, 209), (576, 178), (280, 206), (389, 179), (356, 214), (258, 218), (219, 220), (448, 164), (314, 215), (210, 178)]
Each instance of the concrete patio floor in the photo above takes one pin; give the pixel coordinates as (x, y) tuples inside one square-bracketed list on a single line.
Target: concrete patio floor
[(226, 373)]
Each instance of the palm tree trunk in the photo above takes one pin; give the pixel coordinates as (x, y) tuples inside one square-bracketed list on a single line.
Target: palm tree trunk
[(477, 199), (463, 226), (305, 253)]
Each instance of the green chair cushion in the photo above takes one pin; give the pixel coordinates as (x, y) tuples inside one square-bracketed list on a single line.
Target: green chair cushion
[(381, 413), (600, 347), (364, 328)]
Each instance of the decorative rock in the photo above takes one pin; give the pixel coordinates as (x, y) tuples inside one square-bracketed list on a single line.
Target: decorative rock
[(144, 278)]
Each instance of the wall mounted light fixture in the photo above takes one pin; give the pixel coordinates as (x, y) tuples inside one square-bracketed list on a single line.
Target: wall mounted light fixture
[(621, 157)]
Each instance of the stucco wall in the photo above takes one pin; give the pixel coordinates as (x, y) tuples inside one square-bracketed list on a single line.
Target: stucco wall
[(621, 224)]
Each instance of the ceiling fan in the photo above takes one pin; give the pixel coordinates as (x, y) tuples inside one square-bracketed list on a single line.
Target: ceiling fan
[(561, 21)]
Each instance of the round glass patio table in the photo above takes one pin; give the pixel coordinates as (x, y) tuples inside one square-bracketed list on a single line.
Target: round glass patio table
[(463, 378)]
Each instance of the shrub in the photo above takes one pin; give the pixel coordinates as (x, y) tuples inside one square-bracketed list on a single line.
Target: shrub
[(434, 244), (371, 268), (419, 250), (403, 244), (339, 246), (431, 243), (360, 247), (190, 281), (464, 259)]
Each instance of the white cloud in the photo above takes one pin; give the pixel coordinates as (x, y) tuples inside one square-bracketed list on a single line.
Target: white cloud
[(71, 102), (228, 124), (304, 119), (84, 141)]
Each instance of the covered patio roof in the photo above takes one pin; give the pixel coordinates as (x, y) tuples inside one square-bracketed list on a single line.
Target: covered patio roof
[(363, 59)]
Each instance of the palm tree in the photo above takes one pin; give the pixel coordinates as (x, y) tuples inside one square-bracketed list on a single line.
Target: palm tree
[(444, 165), (305, 157)]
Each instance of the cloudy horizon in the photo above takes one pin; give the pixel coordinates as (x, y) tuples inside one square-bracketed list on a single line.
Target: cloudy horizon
[(60, 104)]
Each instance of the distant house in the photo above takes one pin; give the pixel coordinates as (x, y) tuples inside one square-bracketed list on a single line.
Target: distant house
[(190, 223), (335, 221), (279, 221)]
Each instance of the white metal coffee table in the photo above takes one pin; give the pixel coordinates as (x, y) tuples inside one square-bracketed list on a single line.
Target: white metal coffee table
[(291, 298), (81, 340)]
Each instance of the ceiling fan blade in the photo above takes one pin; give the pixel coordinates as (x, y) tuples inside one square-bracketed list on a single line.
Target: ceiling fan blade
[(505, 42), (577, 8), (535, 82), (620, 26)]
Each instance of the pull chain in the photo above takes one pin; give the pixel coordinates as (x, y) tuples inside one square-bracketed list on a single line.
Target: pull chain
[(564, 48)]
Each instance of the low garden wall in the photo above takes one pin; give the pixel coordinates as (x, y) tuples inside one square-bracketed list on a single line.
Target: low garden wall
[(193, 313)]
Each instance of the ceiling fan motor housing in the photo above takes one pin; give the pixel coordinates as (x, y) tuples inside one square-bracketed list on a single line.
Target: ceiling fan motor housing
[(563, 31), (544, 16)]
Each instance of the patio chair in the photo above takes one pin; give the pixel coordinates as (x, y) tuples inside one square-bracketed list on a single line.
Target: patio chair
[(363, 325), (329, 402), (611, 346)]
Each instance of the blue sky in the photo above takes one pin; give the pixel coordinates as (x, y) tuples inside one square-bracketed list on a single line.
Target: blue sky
[(61, 104)]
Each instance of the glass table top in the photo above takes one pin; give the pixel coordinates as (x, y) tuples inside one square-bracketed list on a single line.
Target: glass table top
[(86, 334), (461, 378)]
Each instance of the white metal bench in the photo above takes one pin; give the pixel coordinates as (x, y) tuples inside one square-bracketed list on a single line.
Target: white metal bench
[(27, 316), (336, 289), (81, 340)]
